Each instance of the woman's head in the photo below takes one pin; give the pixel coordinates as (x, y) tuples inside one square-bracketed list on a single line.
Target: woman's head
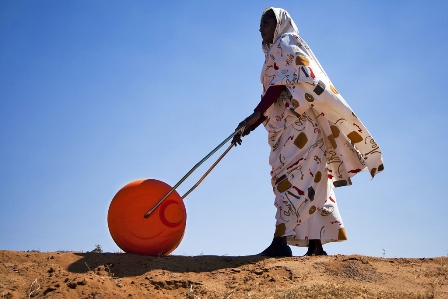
[(274, 23), (268, 24)]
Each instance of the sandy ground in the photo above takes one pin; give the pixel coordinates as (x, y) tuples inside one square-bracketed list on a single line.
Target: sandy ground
[(120, 275)]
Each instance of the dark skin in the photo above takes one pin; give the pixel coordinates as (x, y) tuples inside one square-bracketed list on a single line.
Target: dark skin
[(268, 24)]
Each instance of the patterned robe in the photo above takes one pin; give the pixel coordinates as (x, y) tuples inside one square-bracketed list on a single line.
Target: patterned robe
[(317, 142)]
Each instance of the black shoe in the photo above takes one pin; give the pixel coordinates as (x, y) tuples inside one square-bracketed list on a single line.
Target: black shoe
[(321, 252), (278, 248), (315, 248), (315, 252), (310, 251)]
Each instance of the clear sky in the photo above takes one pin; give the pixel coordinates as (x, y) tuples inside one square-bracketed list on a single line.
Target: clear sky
[(96, 94)]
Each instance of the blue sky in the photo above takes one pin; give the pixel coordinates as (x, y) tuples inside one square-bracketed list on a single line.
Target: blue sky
[(96, 94)]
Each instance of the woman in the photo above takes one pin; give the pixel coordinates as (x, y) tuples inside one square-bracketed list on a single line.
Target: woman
[(317, 142)]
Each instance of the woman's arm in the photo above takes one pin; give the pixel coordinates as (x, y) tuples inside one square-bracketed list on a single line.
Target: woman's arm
[(255, 119)]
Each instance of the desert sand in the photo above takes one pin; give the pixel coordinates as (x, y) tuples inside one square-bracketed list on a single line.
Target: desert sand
[(122, 275)]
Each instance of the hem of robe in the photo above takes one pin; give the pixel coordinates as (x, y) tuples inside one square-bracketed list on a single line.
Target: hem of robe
[(342, 236), (304, 243)]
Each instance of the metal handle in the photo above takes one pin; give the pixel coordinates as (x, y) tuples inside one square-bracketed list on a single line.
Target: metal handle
[(240, 130), (208, 171)]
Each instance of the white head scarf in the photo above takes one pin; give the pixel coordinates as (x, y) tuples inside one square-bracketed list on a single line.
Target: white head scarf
[(286, 25)]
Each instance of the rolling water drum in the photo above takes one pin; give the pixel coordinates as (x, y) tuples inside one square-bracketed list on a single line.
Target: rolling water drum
[(157, 235), (149, 217)]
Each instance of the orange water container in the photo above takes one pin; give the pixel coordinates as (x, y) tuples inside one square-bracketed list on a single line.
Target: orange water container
[(161, 232), (149, 217)]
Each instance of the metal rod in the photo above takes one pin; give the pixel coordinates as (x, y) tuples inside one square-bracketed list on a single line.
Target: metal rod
[(239, 130), (208, 171)]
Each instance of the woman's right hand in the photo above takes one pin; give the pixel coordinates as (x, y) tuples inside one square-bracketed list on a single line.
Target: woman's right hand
[(246, 123)]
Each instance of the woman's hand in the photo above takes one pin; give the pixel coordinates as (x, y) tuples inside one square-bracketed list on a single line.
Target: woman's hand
[(247, 123), (237, 138)]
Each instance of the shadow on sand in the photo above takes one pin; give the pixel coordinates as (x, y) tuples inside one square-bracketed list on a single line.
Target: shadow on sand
[(129, 265)]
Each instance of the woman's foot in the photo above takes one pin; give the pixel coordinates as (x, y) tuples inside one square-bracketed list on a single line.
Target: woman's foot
[(278, 248), (315, 248), (316, 252)]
